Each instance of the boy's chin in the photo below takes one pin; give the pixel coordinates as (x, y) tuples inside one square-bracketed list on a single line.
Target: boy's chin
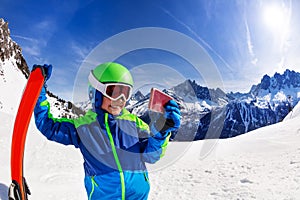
[(114, 110)]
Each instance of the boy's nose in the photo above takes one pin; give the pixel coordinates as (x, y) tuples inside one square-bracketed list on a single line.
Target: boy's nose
[(121, 99)]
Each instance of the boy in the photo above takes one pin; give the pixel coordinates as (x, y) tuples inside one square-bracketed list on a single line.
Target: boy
[(115, 144)]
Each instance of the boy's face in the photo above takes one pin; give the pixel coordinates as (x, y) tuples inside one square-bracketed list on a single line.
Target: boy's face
[(113, 107)]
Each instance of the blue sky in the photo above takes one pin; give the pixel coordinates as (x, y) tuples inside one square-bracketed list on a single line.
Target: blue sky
[(243, 39)]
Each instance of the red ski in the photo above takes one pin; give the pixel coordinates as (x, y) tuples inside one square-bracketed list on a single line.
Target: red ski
[(18, 189)]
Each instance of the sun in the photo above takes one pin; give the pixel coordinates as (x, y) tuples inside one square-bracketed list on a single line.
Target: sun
[(275, 17)]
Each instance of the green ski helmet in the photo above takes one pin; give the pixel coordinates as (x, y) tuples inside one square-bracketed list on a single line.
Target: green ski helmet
[(105, 77), (112, 72)]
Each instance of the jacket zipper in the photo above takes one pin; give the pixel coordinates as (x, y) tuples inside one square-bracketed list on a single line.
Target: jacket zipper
[(113, 147)]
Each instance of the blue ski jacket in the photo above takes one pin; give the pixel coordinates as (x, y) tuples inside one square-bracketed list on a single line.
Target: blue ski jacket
[(114, 149)]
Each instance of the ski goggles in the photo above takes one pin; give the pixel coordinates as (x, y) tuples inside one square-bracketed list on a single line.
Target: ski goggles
[(113, 91)]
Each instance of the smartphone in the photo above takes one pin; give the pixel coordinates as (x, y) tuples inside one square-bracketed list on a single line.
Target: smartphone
[(157, 100)]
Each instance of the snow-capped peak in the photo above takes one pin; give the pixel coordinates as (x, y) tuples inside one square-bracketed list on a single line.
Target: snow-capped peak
[(13, 74)]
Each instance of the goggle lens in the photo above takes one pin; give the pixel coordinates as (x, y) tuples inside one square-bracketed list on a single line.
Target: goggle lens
[(116, 91)]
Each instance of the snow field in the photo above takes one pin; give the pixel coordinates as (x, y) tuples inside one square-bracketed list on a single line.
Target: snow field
[(262, 164)]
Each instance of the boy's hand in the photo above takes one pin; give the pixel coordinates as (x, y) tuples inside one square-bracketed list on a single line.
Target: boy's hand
[(172, 115), (170, 120), (47, 70)]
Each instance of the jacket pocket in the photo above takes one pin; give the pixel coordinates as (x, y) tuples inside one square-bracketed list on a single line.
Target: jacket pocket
[(90, 185)]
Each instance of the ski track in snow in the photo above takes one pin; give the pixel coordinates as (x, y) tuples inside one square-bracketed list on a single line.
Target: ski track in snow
[(262, 164), (238, 177)]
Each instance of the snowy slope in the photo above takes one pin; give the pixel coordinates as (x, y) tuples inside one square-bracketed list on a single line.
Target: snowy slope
[(13, 70), (263, 164), (12, 83), (294, 113)]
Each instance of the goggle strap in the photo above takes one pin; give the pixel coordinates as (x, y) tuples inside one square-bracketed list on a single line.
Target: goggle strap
[(95, 83)]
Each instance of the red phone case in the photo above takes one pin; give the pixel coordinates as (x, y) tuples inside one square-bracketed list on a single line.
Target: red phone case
[(157, 100)]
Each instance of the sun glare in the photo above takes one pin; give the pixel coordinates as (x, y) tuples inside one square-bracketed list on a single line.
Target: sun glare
[(275, 17)]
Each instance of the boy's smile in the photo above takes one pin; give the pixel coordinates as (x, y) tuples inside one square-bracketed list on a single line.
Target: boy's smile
[(113, 107)]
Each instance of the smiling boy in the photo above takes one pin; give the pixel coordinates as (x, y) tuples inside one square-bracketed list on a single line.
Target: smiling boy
[(114, 143)]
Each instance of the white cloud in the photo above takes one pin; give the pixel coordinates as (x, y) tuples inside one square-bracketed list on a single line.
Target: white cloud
[(24, 38), (33, 45), (198, 37), (80, 51), (250, 46), (30, 46), (155, 75)]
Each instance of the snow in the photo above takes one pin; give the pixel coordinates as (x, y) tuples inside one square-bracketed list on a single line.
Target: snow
[(294, 113), (262, 164), (274, 97), (11, 86)]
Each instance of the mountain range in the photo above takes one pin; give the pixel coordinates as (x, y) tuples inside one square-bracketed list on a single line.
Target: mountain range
[(212, 113), (206, 113)]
